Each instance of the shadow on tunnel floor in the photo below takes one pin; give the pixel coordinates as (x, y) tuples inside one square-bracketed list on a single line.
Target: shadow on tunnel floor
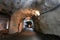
[(20, 36), (47, 36)]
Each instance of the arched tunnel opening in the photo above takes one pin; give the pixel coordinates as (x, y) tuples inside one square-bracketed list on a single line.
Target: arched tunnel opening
[(19, 18)]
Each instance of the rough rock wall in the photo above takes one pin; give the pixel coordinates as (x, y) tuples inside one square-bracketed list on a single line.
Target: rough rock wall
[(16, 19), (50, 22), (16, 22)]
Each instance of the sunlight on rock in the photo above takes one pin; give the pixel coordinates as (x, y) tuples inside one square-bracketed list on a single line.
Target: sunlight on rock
[(37, 13)]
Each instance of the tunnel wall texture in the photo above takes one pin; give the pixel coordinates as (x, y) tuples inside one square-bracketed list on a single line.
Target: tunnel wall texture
[(50, 22), (16, 22)]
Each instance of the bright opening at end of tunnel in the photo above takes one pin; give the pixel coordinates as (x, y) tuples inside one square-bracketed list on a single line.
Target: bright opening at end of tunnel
[(28, 24)]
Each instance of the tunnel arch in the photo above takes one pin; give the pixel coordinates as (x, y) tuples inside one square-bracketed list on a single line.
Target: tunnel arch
[(17, 18)]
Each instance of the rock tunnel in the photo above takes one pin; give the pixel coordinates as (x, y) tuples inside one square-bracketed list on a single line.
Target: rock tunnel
[(16, 23), (48, 23)]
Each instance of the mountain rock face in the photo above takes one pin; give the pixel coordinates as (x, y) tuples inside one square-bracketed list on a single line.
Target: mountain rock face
[(51, 22)]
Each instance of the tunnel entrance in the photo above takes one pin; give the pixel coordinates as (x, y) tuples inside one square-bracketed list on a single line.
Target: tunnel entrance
[(16, 23)]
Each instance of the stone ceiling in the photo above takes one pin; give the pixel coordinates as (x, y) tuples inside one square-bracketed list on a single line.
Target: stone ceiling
[(10, 6)]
